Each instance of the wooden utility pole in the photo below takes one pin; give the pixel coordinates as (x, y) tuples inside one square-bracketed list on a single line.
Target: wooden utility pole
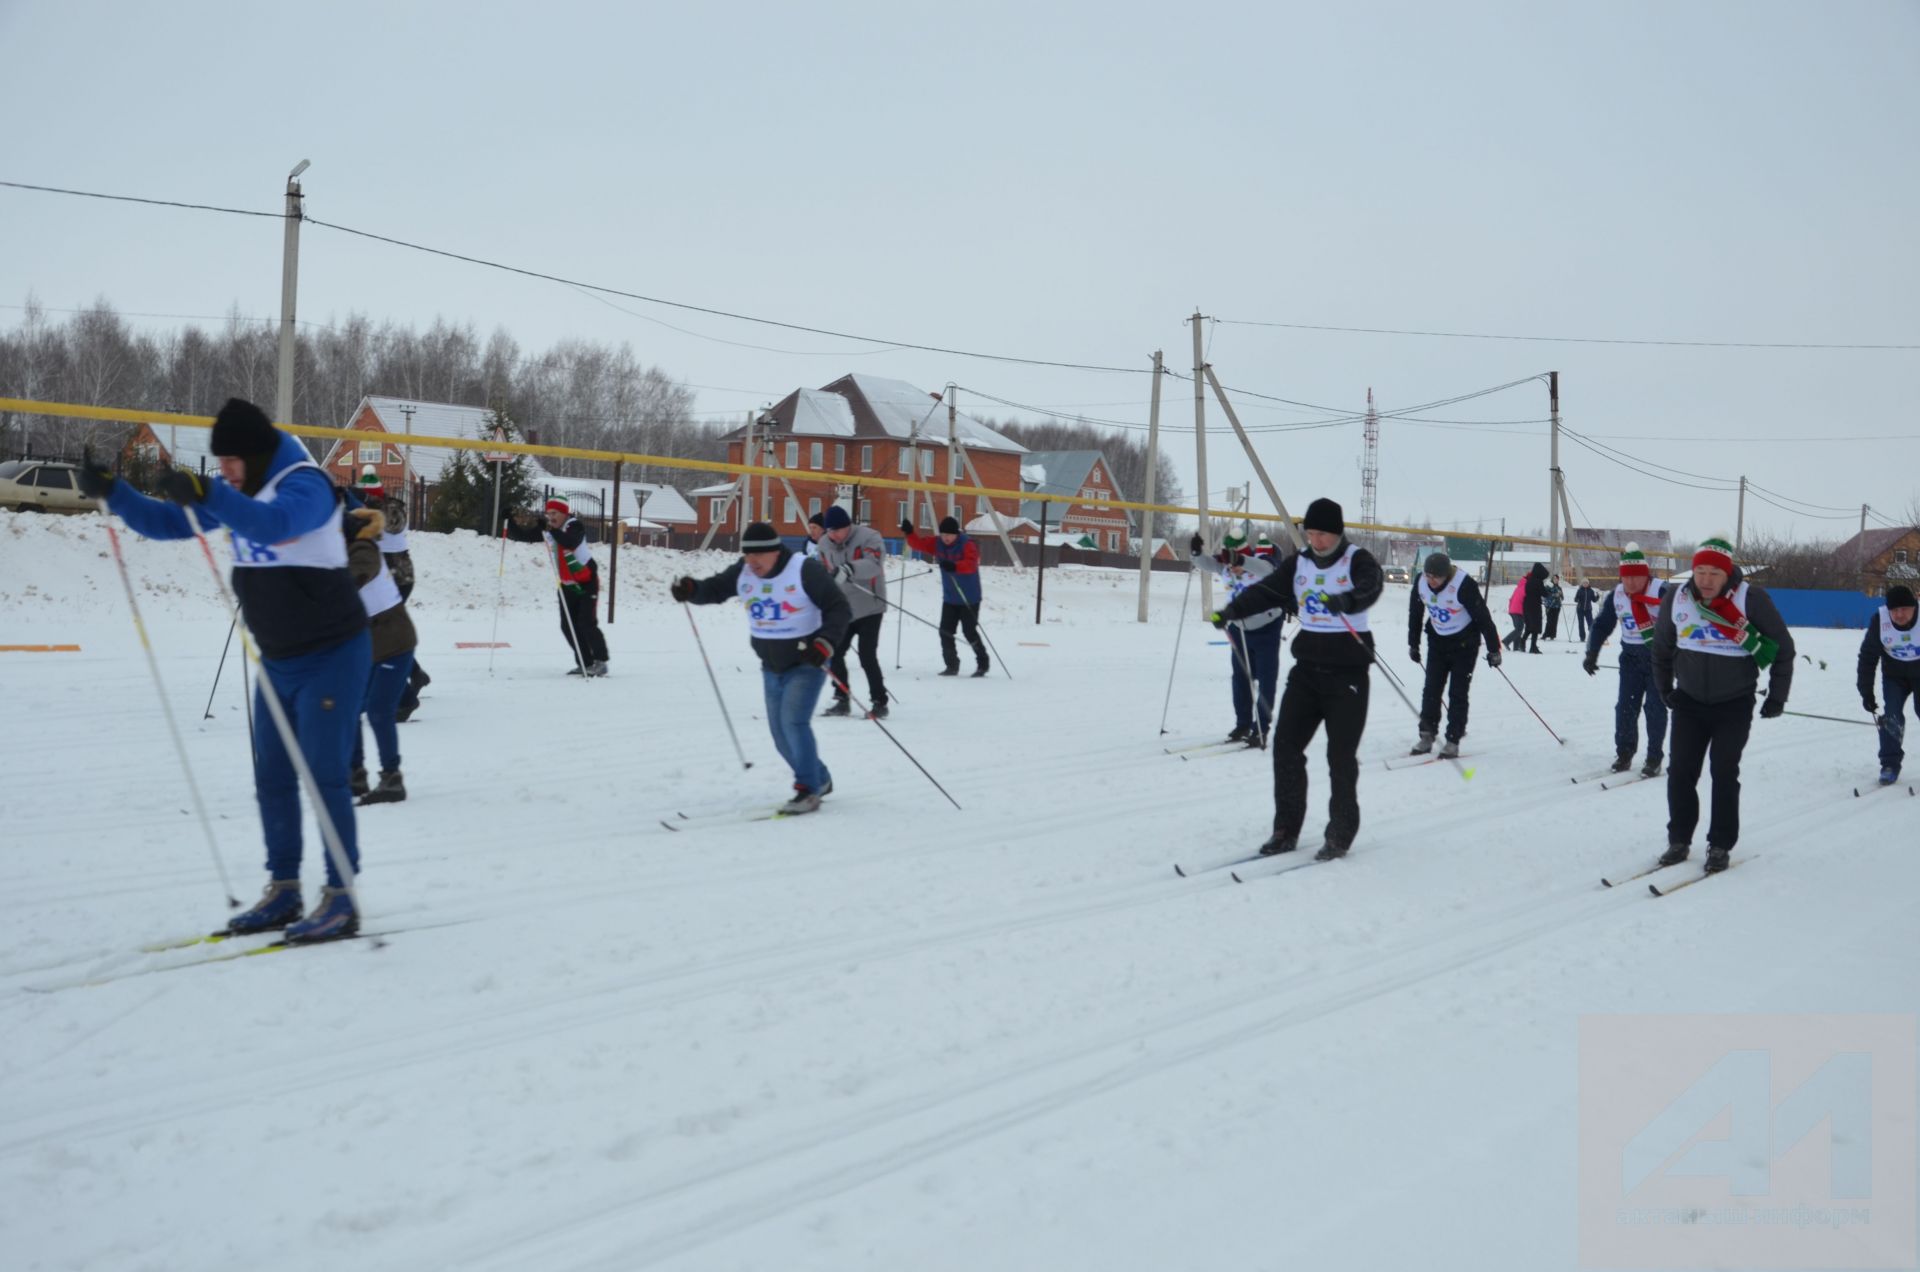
[(1246, 443), (1553, 474), (953, 453), (1200, 454), (1153, 462), (1740, 518), (613, 584)]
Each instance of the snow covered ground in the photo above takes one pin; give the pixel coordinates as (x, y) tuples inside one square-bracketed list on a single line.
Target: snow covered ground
[(891, 1036)]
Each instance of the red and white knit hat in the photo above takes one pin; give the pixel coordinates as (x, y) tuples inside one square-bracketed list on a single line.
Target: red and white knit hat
[(1716, 552), (558, 503), (1634, 562)]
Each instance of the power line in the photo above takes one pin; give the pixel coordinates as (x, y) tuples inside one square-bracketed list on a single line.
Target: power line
[(1754, 485), (128, 198), (1817, 516), (1591, 340), (1684, 472), (1581, 441)]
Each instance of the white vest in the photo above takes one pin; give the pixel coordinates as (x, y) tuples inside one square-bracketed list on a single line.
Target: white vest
[(1631, 632), (321, 548), (778, 608), (1900, 646), (393, 541), (1697, 633), (380, 593), (1444, 610), (1310, 583)]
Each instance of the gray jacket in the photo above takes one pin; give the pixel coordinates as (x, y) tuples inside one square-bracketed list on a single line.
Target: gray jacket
[(1257, 568), (1712, 678), (859, 566)]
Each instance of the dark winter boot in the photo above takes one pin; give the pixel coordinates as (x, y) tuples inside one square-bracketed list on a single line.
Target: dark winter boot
[(980, 661), (333, 919), (1623, 761), (840, 707), (1278, 844), (1241, 732), (1330, 850), (1450, 750), (1717, 859), (953, 669), (803, 801), (357, 783), (404, 712), (879, 711), (1675, 854), (979, 671), (576, 670), (390, 791), (597, 668), (1424, 745), (278, 906), (1652, 767)]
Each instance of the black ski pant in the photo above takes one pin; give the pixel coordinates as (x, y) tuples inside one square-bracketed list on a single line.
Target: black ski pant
[(867, 632), (1700, 729), (1319, 694), (1449, 671), (966, 618), (577, 620), (1553, 624), (1586, 621)]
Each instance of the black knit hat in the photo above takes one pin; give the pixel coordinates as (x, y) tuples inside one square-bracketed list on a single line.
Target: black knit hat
[(1899, 596), (1439, 565), (836, 518), (760, 537), (1325, 515), (816, 520), (949, 525), (242, 428)]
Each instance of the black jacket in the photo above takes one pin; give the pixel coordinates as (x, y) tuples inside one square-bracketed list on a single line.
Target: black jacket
[(1471, 601), (1711, 678), (1331, 649), (784, 655), (1873, 654), (1535, 596), (569, 536), (1584, 598)]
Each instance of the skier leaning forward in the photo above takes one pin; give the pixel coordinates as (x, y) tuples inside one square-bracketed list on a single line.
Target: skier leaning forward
[(1635, 604), (1329, 587), (1446, 604), (797, 616), (1716, 633), (299, 602), (579, 574)]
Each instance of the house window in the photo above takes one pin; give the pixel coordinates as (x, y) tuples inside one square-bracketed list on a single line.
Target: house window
[(819, 455), (866, 511), (982, 506), (793, 454), (393, 456), (906, 461), (1899, 556), (766, 506), (717, 509), (793, 510), (813, 506), (866, 459), (926, 463), (1113, 540), (369, 452)]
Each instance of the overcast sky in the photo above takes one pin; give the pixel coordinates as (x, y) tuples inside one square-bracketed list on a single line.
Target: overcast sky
[(1069, 182)]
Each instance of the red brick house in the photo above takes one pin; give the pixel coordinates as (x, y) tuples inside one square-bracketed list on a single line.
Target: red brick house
[(1085, 475), (827, 440)]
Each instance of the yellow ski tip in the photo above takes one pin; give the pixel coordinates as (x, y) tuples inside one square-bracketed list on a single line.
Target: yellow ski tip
[(1467, 776)]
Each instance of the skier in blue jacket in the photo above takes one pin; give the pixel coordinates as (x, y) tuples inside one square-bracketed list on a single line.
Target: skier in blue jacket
[(297, 598)]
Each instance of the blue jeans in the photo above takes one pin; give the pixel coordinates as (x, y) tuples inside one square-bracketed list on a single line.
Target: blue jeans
[(1637, 695), (1894, 696), (791, 696), (321, 694), (384, 687), (1262, 647)]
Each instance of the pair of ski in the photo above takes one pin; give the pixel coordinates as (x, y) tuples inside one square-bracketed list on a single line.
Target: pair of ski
[(1207, 750), (1247, 867), (729, 817), (1398, 762), (1613, 779), (1862, 791), (1671, 888), (224, 951)]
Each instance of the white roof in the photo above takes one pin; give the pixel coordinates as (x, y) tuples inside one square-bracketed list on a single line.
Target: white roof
[(983, 524), (435, 419), (1033, 474), (187, 446), (907, 411), (820, 413), (592, 495)]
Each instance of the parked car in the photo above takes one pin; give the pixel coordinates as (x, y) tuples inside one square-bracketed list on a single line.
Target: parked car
[(1398, 574), (29, 485)]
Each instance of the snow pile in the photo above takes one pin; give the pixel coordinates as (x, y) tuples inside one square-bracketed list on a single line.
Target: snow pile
[(892, 1035)]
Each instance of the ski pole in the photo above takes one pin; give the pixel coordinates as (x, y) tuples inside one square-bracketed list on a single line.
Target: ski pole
[(560, 589), (1805, 715), (329, 833), (499, 595), (1523, 698), (981, 627), (216, 674), (1179, 629), (1243, 654), (745, 763), (868, 712), (1466, 774), (173, 729)]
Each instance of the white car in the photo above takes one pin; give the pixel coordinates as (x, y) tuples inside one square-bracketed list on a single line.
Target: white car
[(29, 485), (1398, 574)]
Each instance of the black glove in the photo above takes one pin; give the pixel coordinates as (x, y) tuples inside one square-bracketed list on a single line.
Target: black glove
[(682, 589), (1590, 664), (1666, 696), (948, 566), (1195, 544), (906, 527), (1493, 656), (816, 652), (1413, 652), (1338, 602), (95, 479), (183, 487), (1773, 706), (1218, 619), (1866, 700)]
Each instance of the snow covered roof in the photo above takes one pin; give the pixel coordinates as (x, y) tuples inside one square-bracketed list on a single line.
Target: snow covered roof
[(822, 414), (1033, 474), (984, 524), (1063, 473), (187, 446), (861, 405), (434, 419), (593, 495)]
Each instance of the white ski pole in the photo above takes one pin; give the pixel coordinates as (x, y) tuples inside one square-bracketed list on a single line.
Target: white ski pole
[(499, 595), (1178, 631), (560, 589)]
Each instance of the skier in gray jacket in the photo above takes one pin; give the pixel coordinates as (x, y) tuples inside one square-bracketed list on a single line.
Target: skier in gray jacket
[(856, 558)]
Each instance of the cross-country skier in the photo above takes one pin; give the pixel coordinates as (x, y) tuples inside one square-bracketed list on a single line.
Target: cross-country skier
[(1583, 608), (856, 556), (1716, 633), (1634, 603), (290, 574), (398, 554), (796, 616), (1329, 587), (393, 645), (572, 557), (958, 557), (1892, 645), (1254, 640), (1446, 605), (816, 526)]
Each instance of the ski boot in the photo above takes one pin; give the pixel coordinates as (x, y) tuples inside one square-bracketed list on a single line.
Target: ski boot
[(879, 711), (278, 906), (840, 707), (390, 791), (979, 671), (357, 783), (1717, 859), (1888, 776), (1331, 850), (1675, 854), (1623, 761), (1241, 732), (1652, 767), (1450, 750), (1424, 746), (803, 801), (333, 919), (952, 670), (1278, 844), (597, 668)]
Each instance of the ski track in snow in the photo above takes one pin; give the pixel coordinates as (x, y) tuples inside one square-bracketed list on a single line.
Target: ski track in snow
[(888, 1035)]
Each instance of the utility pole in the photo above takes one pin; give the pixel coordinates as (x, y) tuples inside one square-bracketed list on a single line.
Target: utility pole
[(1153, 461), (406, 460), (289, 287), (953, 472), (1860, 566), (1740, 518), (1553, 487), (1200, 455)]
